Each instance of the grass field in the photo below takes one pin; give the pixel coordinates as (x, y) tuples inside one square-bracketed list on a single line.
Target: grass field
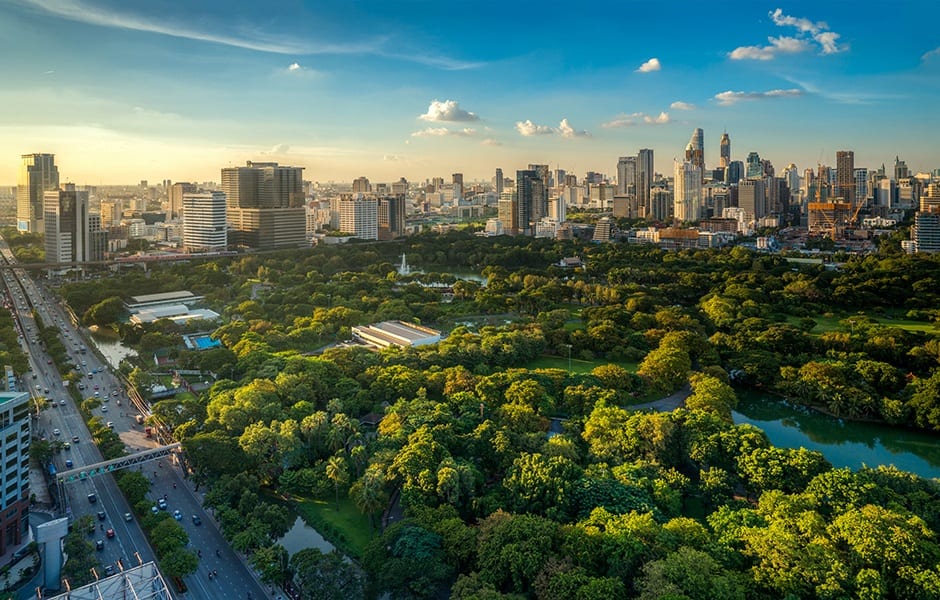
[(832, 323), (347, 529), (577, 365)]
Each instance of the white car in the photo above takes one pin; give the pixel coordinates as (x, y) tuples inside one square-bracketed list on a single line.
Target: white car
[(56, 432)]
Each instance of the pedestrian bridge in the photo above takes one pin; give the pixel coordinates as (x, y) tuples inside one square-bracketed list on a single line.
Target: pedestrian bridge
[(109, 466)]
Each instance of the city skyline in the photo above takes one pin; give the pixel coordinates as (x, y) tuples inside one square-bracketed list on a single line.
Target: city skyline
[(169, 91)]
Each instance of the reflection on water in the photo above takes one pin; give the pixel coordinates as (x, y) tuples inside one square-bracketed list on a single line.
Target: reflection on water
[(301, 536), (111, 348), (843, 443)]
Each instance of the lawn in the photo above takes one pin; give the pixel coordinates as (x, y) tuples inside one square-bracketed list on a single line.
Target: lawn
[(348, 529), (831, 322), (577, 365)]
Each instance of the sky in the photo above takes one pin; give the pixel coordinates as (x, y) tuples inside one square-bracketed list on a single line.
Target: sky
[(125, 90)]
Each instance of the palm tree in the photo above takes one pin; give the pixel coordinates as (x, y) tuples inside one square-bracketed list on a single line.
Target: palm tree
[(338, 473), (369, 493)]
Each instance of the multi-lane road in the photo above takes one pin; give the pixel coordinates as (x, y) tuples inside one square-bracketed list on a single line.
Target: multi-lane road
[(233, 579)]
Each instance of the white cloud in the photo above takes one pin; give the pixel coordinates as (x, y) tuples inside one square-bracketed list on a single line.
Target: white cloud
[(528, 128), (448, 110), (728, 98), (444, 132), (566, 130), (815, 31), (618, 123), (931, 54), (662, 119), (294, 67), (680, 105), (650, 66), (278, 149), (392, 158), (491, 142)]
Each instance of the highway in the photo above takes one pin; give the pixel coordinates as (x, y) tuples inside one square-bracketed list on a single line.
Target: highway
[(234, 579)]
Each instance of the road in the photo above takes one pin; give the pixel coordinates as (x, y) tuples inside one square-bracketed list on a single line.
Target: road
[(234, 580)]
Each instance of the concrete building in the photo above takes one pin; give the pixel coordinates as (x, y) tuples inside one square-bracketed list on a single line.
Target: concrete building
[(752, 198), (724, 151), (845, 176), (14, 476), (359, 216), (204, 222), (529, 196), (687, 197), (267, 228), (695, 150), (603, 230), (38, 175), (508, 212), (265, 205), (175, 199), (391, 217), (396, 333), (71, 235), (644, 180), (626, 175)]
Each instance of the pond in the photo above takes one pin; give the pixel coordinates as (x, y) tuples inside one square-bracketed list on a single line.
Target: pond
[(111, 348), (844, 443), (302, 536)]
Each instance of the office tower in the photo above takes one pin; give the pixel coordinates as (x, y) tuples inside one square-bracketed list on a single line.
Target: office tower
[(265, 205), (687, 196), (886, 193), (792, 177), (560, 177), (38, 174), (695, 151), (626, 175), (111, 212), (767, 167), (498, 183), (861, 184), (661, 204), (571, 181), (557, 209), (359, 216), (602, 230), (644, 179), (528, 188), (724, 150), (508, 212), (400, 187), (361, 185), (751, 198), (734, 172), (14, 503), (900, 169), (175, 199), (845, 175), (204, 222), (65, 218), (754, 167), (544, 174), (391, 217), (925, 232), (457, 180)]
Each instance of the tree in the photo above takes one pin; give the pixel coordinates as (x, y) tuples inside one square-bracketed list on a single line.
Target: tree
[(542, 485), (513, 549), (338, 473), (712, 394), (325, 576), (368, 493), (178, 562), (272, 562), (689, 574), (665, 369), (134, 485)]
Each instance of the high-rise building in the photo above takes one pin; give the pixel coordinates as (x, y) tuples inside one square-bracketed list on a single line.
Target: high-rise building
[(734, 172), (602, 230), (361, 185), (14, 478), (457, 180), (498, 182), (508, 212), (204, 222), (900, 169), (71, 234), (265, 205), (695, 151), (724, 150), (861, 184), (644, 179), (359, 216), (391, 217), (175, 199), (544, 174), (400, 187), (528, 194), (626, 175), (38, 174), (755, 169), (559, 178), (687, 196), (752, 198), (925, 232), (111, 212), (845, 175)]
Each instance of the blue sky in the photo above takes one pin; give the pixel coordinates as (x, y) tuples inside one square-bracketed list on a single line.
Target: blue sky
[(129, 90)]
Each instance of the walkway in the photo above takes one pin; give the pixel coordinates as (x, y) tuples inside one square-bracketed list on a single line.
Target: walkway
[(667, 404)]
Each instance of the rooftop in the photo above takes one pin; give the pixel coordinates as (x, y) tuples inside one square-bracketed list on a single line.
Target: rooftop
[(162, 297)]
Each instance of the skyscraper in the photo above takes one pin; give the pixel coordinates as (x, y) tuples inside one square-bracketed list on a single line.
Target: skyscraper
[(724, 150), (644, 180), (754, 167), (65, 218), (359, 216), (498, 184), (457, 180), (900, 169), (175, 198), (38, 174), (626, 175), (528, 187), (265, 205), (695, 151), (687, 197), (204, 222), (14, 503), (845, 175), (751, 198), (391, 217)]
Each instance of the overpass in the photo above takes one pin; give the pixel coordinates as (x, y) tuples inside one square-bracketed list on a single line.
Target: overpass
[(109, 466)]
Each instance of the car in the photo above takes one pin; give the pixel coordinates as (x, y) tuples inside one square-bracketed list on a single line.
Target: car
[(99, 545), (109, 570), (75, 439), (38, 387), (109, 533), (68, 463), (154, 509), (45, 390), (162, 504), (66, 446), (97, 394), (110, 424), (92, 498), (177, 515), (81, 386), (62, 402), (49, 361), (56, 432), (104, 408), (128, 517), (102, 515), (114, 393), (197, 520)]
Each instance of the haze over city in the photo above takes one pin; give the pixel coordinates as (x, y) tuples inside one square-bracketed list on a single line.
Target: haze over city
[(123, 92)]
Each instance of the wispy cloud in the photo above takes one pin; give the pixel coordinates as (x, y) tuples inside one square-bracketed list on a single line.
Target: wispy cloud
[(491, 142), (393, 158), (83, 11), (845, 95), (634, 119), (448, 110), (680, 105), (931, 54), (445, 132), (649, 66), (728, 98), (808, 32)]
